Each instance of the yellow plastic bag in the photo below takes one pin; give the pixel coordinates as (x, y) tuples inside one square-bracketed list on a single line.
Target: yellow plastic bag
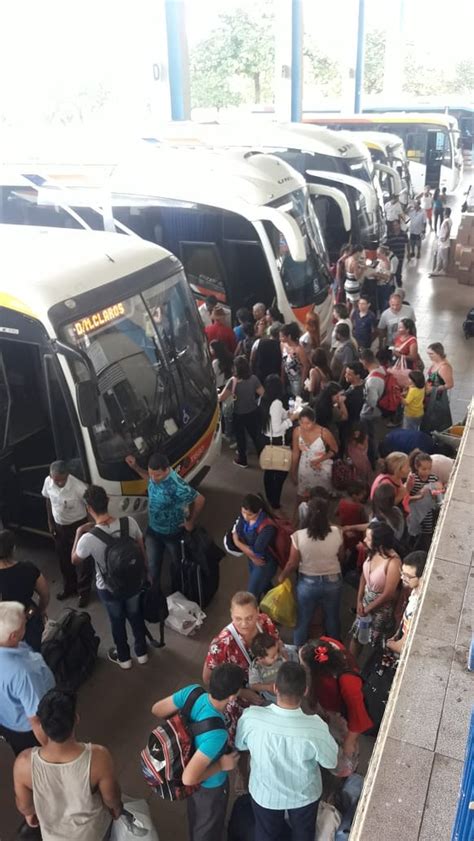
[(280, 604)]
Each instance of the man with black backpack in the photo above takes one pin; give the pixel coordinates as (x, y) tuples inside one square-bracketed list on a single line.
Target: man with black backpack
[(208, 767), (117, 547)]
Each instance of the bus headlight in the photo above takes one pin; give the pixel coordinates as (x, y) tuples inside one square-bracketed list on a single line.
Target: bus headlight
[(125, 503)]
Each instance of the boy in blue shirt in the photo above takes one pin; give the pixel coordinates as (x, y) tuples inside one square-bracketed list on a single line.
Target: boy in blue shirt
[(209, 765)]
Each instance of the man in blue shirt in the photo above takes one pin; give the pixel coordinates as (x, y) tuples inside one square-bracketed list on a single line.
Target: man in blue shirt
[(173, 505), (209, 765), (286, 749), (24, 679)]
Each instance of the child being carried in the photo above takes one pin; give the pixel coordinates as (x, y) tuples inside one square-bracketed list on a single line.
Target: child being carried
[(269, 654)]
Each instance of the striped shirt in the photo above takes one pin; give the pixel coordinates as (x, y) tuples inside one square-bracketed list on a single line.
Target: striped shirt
[(286, 749), (427, 525)]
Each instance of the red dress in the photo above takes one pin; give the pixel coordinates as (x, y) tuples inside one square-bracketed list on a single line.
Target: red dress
[(344, 694)]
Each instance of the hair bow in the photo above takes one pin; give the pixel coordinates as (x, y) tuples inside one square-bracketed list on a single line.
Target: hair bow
[(321, 654)]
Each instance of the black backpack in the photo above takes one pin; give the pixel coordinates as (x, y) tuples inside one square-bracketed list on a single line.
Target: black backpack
[(124, 564), (70, 650)]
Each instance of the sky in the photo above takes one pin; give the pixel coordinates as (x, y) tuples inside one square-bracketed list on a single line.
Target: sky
[(54, 50)]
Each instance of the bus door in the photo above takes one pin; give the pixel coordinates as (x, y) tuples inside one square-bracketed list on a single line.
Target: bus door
[(434, 157), (36, 424)]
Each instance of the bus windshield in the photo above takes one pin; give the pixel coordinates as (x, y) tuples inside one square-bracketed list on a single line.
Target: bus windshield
[(305, 282), (152, 367)]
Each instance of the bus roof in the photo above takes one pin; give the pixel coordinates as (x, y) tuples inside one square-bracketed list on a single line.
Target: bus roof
[(445, 120), (41, 267), (381, 140), (387, 117), (264, 135), (232, 179)]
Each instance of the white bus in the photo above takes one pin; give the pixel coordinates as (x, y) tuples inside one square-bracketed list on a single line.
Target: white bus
[(388, 155), (242, 223), (432, 142), (342, 179), (102, 353)]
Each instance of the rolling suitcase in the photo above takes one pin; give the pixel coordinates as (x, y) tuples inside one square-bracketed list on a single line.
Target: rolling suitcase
[(196, 574)]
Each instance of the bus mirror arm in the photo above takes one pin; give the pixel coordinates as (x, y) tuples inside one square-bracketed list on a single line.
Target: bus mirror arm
[(87, 391), (75, 353)]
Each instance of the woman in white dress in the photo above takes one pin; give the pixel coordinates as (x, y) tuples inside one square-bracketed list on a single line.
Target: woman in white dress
[(313, 449)]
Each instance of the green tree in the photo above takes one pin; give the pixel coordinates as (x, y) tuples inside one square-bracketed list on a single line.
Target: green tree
[(374, 61), (321, 70), (235, 62), (463, 81)]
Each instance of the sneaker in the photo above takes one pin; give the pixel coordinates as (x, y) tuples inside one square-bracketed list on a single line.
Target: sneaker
[(142, 659), (83, 600), (113, 657), (65, 594), (232, 445), (239, 463)]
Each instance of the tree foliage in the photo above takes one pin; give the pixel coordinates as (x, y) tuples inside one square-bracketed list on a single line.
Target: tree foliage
[(374, 61), (235, 63), (321, 70)]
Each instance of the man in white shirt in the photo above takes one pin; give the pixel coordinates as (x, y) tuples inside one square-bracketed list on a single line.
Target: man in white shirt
[(66, 511), (388, 323), (442, 254), (286, 749), (417, 226), (426, 201), (394, 210)]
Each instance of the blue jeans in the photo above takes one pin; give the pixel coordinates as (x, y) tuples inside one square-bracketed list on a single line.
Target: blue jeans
[(312, 591), (270, 824), (411, 423), (260, 577), (156, 545), (119, 611)]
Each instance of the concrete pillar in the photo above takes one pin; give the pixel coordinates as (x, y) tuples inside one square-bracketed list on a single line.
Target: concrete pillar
[(178, 59)]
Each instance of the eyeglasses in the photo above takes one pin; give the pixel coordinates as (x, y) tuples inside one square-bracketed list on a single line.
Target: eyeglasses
[(409, 577)]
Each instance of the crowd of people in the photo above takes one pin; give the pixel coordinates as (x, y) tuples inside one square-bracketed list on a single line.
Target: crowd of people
[(361, 515)]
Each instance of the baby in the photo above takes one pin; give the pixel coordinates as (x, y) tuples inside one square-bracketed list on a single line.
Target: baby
[(268, 654)]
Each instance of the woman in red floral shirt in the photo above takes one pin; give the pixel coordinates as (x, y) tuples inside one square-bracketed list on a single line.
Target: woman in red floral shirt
[(232, 645)]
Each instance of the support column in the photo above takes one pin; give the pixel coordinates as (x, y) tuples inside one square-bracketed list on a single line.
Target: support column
[(359, 68), (296, 60), (178, 60)]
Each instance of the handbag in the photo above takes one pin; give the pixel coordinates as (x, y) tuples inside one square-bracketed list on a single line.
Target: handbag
[(400, 371), (275, 456)]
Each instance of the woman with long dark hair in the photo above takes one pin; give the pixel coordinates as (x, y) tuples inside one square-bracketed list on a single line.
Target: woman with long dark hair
[(295, 365), (253, 535), (222, 362), (313, 449), (377, 588), (319, 373), (244, 388), (276, 424), (336, 687), (315, 552)]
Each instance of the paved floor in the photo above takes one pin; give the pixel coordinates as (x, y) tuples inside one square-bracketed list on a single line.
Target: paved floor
[(114, 705)]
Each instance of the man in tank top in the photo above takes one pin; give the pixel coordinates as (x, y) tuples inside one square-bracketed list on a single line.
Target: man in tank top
[(67, 788)]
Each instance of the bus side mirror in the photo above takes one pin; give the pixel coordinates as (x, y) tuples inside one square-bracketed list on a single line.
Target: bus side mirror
[(87, 399)]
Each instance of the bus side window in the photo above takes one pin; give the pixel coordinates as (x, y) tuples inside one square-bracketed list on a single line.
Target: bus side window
[(204, 269)]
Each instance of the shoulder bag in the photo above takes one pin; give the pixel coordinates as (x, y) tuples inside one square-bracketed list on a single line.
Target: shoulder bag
[(275, 456)]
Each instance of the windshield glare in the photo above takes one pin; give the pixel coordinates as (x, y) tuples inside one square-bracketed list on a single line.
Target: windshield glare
[(307, 281), (152, 367)]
